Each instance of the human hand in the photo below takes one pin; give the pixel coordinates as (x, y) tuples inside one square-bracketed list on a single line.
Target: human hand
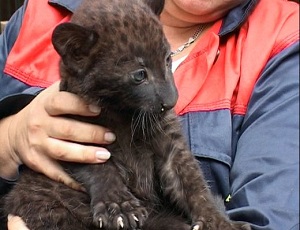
[(15, 223), (38, 136)]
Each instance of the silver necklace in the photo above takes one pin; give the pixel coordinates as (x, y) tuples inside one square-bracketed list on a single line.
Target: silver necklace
[(190, 41)]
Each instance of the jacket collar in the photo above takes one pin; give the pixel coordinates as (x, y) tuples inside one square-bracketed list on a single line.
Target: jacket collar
[(236, 17), (231, 22), (70, 5)]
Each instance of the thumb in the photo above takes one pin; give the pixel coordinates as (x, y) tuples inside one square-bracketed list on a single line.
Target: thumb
[(16, 223)]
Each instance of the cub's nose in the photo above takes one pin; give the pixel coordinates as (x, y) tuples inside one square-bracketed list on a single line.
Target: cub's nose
[(168, 96)]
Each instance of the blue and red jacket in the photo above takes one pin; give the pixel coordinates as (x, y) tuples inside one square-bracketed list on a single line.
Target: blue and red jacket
[(238, 100)]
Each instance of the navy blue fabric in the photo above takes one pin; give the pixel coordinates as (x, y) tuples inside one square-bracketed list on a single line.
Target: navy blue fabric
[(242, 162), (8, 37), (70, 5), (236, 17), (267, 154)]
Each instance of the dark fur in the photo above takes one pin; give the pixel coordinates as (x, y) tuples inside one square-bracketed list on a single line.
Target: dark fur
[(114, 54)]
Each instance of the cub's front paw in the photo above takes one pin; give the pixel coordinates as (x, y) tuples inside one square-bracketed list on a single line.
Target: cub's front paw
[(122, 215), (240, 226), (209, 224)]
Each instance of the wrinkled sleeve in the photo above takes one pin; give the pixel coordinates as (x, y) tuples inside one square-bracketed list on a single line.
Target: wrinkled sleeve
[(9, 86), (14, 95), (265, 173)]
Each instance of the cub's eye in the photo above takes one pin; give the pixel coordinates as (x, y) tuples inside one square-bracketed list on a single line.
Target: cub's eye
[(139, 75)]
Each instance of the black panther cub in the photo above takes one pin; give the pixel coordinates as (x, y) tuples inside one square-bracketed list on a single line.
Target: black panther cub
[(114, 55)]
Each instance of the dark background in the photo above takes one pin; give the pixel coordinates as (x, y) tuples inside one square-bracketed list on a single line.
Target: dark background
[(8, 7)]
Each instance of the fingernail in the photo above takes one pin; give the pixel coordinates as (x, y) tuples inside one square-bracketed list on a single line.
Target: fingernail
[(102, 155), (94, 109), (9, 216), (109, 137)]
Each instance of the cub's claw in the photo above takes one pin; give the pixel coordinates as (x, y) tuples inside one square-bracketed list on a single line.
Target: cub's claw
[(124, 215), (120, 222), (196, 227), (199, 225), (135, 218), (100, 223)]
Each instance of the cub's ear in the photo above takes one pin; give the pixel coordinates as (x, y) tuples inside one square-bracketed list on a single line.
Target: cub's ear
[(156, 5), (73, 43)]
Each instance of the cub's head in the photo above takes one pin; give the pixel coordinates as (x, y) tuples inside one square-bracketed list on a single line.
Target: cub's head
[(114, 54)]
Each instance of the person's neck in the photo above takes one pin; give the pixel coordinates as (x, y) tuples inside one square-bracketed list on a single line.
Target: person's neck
[(178, 32)]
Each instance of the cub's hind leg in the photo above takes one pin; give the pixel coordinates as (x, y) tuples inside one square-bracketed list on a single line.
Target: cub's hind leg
[(47, 205), (183, 183)]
